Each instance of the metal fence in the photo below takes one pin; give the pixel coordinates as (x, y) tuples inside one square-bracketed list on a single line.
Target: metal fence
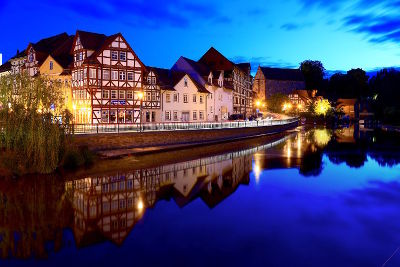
[(174, 126)]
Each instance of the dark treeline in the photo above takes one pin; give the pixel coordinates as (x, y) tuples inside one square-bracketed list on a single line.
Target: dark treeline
[(382, 91)]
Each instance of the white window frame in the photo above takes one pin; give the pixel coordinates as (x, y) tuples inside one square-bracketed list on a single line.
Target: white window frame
[(114, 55)]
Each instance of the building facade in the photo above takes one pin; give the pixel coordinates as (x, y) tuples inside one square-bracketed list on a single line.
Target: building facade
[(220, 97), (106, 80), (185, 100), (270, 81), (236, 77)]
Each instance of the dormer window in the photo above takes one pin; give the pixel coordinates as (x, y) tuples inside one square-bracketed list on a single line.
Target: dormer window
[(114, 55), (51, 65), (122, 56)]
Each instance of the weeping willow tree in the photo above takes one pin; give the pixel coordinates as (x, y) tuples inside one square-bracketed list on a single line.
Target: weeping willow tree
[(34, 123)]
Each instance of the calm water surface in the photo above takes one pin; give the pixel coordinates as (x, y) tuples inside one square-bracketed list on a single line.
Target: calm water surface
[(311, 198)]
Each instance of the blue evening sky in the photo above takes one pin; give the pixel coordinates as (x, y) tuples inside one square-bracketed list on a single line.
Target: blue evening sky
[(342, 34)]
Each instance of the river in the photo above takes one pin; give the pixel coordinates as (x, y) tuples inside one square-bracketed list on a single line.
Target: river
[(308, 197)]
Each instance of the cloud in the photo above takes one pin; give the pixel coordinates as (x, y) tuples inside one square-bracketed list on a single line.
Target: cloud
[(290, 27), (145, 13), (377, 20), (264, 62)]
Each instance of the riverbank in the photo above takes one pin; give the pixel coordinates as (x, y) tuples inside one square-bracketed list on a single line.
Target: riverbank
[(123, 144)]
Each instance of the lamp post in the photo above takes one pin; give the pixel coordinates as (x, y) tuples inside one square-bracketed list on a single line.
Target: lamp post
[(140, 96)]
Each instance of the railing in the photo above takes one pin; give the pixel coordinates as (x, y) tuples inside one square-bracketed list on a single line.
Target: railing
[(174, 126)]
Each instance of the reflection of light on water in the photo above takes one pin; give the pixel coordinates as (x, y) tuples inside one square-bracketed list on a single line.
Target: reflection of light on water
[(322, 137), (140, 205), (299, 144), (257, 171)]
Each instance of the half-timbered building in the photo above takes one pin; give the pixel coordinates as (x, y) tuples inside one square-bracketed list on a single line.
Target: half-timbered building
[(236, 77), (106, 79), (151, 104)]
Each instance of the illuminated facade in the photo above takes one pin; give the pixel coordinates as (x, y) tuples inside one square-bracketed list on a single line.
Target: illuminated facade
[(106, 80)]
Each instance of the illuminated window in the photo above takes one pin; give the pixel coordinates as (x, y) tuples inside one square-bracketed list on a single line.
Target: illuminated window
[(114, 75)]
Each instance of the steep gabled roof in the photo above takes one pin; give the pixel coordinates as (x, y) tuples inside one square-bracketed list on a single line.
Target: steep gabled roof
[(199, 67), (19, 54), (167, 79), (91, 40), (48, 45), (5, 67), (62, 54), (282, 74), (216, 61), (245, 67)]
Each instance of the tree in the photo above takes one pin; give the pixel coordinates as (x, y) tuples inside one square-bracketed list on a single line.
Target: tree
[(275, 102), (322, 107), (313, 72), (33, 121)]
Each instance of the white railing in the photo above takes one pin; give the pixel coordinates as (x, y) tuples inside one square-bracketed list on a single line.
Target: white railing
[(174, 126)]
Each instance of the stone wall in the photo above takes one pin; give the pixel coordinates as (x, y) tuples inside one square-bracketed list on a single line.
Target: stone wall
[(101, 142), (282, 87)]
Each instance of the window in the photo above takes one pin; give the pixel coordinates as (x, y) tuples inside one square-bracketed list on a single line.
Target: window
[(105, 94), (106, 74), (121, 94), (176, 99), (185, 82), (114, 55), (129, 94), (194, 115), (122, 56), (148, 96), (51, 65), (92, 73), (194, 98), (130, 76), (185, 98), (201, 99), (201, 115), (168, 115), (114, 75), (122, 75), (113, 114), (168, 98), (129, 116), (147, 116), (175, 115), (104, 116), (113, 94)]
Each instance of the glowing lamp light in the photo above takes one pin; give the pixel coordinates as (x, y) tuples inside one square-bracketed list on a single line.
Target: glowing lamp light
[(74, 107), (299, 106), (140, 95), (140, 205), (258, 103)]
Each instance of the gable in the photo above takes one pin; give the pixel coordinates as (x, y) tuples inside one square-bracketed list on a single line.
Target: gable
[(45, 67)]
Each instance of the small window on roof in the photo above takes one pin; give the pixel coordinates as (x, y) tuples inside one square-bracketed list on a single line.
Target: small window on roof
[(185, 82), (51, 65)]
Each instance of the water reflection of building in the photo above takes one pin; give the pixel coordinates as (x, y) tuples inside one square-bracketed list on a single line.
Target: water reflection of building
[(108, 207)]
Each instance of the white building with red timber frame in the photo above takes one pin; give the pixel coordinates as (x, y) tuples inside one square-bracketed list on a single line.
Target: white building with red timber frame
[(106, 80)]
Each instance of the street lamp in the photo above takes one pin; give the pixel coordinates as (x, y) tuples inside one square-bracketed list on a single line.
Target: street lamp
[(140, 96)]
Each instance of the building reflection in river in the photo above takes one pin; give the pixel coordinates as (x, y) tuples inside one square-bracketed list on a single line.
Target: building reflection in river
[(106, 207)]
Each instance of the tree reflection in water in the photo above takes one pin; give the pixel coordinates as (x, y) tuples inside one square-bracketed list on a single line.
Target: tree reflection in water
[(106, 207)]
